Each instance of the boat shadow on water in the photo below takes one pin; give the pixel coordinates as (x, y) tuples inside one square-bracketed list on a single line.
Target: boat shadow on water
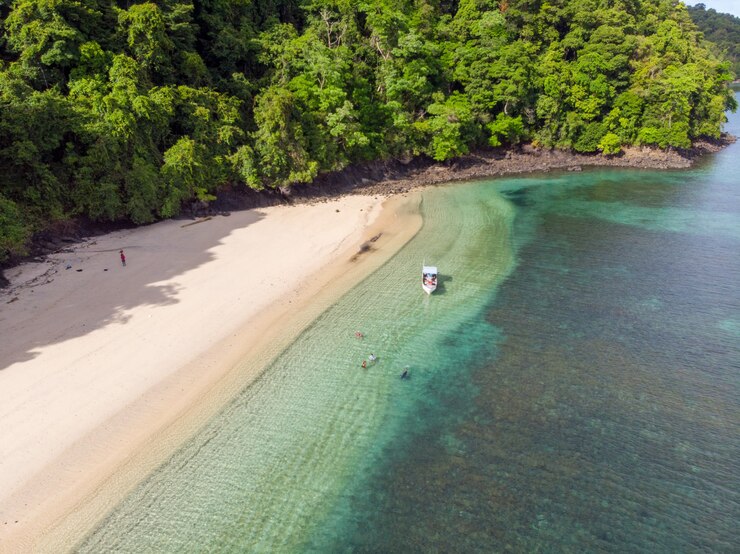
[(442, 280)]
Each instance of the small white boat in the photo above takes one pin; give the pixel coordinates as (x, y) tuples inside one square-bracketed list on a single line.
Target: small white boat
[(429, 278)]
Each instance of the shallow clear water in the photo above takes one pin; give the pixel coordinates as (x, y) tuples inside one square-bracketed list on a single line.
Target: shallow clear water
[(283, 453), (574, 388)]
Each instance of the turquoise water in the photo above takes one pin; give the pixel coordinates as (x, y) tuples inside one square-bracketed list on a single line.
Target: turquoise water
[(574, 388), (285, 452)]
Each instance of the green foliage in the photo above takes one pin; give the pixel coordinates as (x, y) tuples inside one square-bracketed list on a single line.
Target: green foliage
[(505, 129), (146, 36), (244, 167), (130, 110), (142, 185), (13, 231), (46, 36), (185, 172), (589, 137), (32, 136), (280, 141), (722, 30), (451, 127), (610, 144)]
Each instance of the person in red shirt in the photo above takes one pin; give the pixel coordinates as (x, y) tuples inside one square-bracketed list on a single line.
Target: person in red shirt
[(123, 258)]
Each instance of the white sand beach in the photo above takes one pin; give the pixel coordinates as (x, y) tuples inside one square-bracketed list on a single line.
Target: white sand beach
[(105, 369)]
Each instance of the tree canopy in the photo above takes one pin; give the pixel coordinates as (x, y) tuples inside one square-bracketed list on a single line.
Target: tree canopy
[(722, 30), (128, 110)]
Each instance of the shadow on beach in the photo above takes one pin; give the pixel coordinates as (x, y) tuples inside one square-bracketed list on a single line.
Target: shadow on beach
[(47, 309)]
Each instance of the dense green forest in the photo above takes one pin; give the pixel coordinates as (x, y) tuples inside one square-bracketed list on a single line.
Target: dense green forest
[(125, 110), (722, 29)]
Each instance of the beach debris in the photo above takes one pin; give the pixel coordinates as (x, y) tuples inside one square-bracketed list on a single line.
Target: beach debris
[(78, 270), (201, 220), (12, 300), (365, 247)]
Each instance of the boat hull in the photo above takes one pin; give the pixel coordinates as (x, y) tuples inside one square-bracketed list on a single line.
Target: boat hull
[(429, 278)]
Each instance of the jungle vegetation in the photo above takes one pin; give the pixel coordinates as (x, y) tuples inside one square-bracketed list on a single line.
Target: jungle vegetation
[(126, 110), (722, 30)]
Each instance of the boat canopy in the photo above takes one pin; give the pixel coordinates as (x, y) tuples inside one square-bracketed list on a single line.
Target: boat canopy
[(429, 269)]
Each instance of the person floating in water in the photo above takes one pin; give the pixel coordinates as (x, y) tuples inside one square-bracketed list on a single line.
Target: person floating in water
[(364, 364), (123, 258), (372, 358), (359, 335), (405, 374)]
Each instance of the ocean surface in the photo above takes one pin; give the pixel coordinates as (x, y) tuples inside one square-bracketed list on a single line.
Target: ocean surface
[(574, 387)]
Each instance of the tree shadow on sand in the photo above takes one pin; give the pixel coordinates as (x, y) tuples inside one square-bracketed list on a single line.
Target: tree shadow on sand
[(41, 315)]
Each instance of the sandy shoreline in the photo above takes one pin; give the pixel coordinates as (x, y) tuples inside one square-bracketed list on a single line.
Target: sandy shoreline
[(104, 371)]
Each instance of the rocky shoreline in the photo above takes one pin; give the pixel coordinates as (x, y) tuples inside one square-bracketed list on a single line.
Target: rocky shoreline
[(393, 177), (397, 176)]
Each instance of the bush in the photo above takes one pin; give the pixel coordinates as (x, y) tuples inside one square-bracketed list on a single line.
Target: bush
[(610, 144), (14, 233)]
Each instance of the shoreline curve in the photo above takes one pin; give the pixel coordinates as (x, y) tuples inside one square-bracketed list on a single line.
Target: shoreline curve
[(95, 466)]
